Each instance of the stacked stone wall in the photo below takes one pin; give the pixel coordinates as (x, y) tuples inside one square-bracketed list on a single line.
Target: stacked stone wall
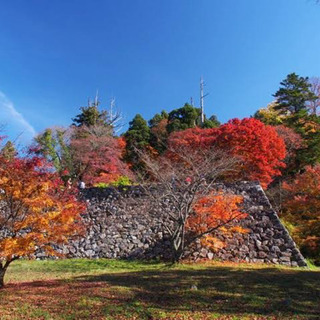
[(120, 227)]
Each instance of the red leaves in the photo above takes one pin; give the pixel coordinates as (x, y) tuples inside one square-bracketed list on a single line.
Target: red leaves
[(259, 147), (99, 158), (193, 138), (292, 140)]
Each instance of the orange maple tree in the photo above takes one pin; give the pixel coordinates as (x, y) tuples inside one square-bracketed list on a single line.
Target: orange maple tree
[(36, 211), (303, 210), (216, 211)]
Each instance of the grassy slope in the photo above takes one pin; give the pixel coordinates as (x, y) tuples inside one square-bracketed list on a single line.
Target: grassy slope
[(108, 289)]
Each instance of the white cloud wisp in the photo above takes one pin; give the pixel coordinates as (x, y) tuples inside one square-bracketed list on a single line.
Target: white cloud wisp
[(15, 123)]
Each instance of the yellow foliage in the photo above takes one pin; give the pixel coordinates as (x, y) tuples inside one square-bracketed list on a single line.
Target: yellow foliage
[(270, 115)]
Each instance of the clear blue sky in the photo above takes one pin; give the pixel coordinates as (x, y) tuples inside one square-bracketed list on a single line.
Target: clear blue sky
[(149, 54)]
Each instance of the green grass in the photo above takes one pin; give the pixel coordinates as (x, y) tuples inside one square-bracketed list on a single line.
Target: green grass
[(51, 269), (115, 289)]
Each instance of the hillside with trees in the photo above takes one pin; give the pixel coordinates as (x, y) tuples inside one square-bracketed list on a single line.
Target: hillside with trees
[(279, 147)]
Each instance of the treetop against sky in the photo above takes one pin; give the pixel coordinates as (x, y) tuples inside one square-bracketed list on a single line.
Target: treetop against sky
[(149, 55)]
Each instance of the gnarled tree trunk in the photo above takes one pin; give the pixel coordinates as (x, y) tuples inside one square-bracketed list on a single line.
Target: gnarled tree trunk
[(2, 273), (3, 268)]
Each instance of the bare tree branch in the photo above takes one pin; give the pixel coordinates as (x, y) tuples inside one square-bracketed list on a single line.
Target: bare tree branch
[(176, 181)]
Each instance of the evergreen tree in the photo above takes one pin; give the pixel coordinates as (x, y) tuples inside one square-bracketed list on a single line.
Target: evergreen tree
[(158, 131), (157, 118), (308, 126), (91, 116), (137, 136), (294, 94), (293, 100), (183, 118), (212, 122), (189, 117)]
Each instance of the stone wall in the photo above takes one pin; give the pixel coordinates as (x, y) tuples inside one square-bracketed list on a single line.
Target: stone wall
[(123, 229)]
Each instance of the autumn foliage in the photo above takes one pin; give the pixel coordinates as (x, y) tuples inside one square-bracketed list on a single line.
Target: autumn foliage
[(98, 157), (36, 211), (216, 212), (261, 149), (303, 209), (257, 145), (293, 141), (194, 138)]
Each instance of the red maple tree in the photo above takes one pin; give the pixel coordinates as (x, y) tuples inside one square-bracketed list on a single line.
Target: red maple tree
[(98, 157), (259, 147), (292, 140)]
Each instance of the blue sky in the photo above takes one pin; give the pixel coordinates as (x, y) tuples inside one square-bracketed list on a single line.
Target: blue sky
[(149, 54)]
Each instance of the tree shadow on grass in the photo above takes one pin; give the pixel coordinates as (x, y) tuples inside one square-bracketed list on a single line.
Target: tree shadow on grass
[(223, 290)]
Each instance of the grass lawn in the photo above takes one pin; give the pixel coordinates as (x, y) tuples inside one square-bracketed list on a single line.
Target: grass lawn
[(109, 289)]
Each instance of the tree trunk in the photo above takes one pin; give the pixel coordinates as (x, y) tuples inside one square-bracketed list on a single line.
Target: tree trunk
[(177, 256), (176, 245), (2, 273), (177, 251), (3, 269)]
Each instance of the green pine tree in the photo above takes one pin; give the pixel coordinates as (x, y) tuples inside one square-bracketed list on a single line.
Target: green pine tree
[(183, 118), (157, 118), (308, 126), (91, 116), (158, 131), (293, 95), (189, 117), (212, 122), (137, 136)]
